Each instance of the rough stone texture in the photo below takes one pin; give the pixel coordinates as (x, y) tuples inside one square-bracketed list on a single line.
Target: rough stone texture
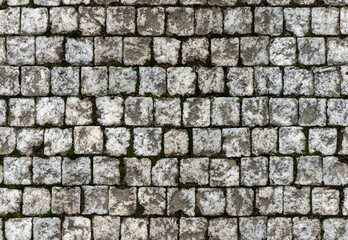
[(253, 227), (65, 81), (47, 228), (76, 227), (153, 200), (291, 140), (165, 172), (66, 200), (283, 51), (117, 141), (194, 170), (297, 20), (152, 81), (254, 171), (173, 119), (36, 201), (167, 111), (211, 202), (122, 80), (166, 50), (309, 170), (96, 199), (176, 142), (325, 201), (122, 202), (138, 171), (106, 227), (193, 228), (296, 201), (269, 200), (28, 140), (281, 170), (109, 110), (181, 200), (311, 51), (181, 80), (236, 142), (106, 171), (88, 140), (254, 50), (76, 172), (47, 171), (224, 173), (298, 81), (147, 141), (239, 201)]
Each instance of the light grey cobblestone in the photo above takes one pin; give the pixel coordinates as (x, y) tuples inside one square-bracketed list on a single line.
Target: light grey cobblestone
[(173, 119)]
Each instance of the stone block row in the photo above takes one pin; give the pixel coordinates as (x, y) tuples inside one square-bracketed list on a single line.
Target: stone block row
[(110, 227), (174, 2), (177, 21), (171, 172), (235, 202), (132, 51), (292, 82), (120, 141)]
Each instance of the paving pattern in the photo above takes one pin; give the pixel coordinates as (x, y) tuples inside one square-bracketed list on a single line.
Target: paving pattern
[(173, 119)]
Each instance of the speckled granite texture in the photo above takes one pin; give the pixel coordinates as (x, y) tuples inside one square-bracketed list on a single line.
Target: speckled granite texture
[(174, 119)]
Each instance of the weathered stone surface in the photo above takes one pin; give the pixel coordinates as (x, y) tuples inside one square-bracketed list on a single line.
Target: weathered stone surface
[(122, 202), (88, 140), (211, 202), (165, 172), (176, 142), (297, 20), (106, 227), (164, 228), (281, 170), (47, 171), (79, 51), (253, 227), (254, 171), (224, 173), (181, 80), (36, 201), (10, 201), (184, 27), (76, 172), (194, 170), (236, 142), (296, 200), (106, 171), (147, 141), (325, 201), (47, 228), (191, 228), (17, 170), (77, 227), (269, 200), (120, 20), (305, 228), (134, 228), (309, 170), (138, 171), (117, 141), (153, 200), (66, 200), (254, 50), (181, 200), (95, 199)]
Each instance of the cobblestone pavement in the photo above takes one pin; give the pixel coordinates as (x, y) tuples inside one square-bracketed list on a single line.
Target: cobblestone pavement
[(173, 119)]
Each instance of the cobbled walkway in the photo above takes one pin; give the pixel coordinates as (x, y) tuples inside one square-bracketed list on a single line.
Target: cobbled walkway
[(173, 119)]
